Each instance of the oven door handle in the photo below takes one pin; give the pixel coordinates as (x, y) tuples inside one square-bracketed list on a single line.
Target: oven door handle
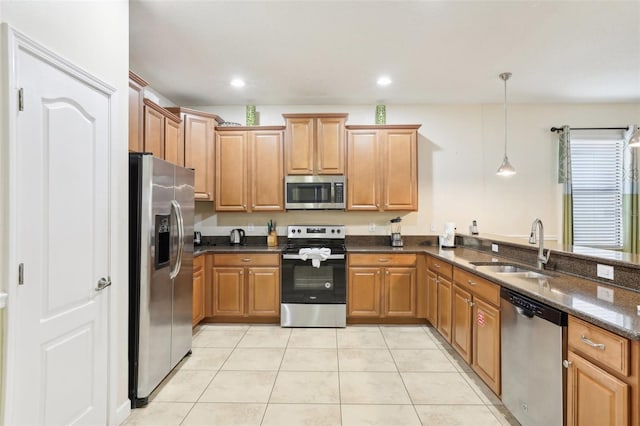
[(298, 257)]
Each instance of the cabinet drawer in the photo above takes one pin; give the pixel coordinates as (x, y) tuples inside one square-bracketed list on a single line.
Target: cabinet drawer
[(478, 286), (246, 259), (606, 348), (441, 268), (382, 259)]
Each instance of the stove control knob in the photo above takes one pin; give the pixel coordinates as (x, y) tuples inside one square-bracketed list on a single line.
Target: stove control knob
[(338, 231), (333, 231)]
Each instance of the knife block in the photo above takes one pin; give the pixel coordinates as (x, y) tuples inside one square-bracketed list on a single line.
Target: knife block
[(272, 239)]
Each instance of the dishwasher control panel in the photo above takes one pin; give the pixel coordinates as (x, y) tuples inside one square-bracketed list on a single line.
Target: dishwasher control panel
[(532, 307)]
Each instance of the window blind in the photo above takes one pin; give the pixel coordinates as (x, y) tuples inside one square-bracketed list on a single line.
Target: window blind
[(596, 171)]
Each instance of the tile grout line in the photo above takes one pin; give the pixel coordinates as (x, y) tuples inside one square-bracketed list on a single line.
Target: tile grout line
[(275, 380), (215, 375)]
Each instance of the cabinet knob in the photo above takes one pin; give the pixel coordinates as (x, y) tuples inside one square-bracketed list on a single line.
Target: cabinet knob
[(471, 303), (387, 272), (250, 272), (566, 363)]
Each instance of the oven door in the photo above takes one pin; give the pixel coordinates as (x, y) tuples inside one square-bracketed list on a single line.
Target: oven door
[(304, 283)]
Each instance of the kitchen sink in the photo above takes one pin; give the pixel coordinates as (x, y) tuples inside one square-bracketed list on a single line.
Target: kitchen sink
[(509, 268)]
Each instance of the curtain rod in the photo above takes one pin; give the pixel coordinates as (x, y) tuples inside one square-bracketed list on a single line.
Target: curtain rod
[(559, 129)]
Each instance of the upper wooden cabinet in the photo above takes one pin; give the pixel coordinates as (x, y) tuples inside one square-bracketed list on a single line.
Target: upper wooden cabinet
[(198, 134), (382, 167), (315, 144), (249, 169), (162, 133), (136, 120)]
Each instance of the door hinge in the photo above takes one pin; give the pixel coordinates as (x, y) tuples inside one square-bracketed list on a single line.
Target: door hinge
[(21, 99), (21, 274)]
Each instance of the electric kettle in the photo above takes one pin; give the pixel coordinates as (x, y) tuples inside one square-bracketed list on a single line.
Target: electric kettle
[(237, 237)]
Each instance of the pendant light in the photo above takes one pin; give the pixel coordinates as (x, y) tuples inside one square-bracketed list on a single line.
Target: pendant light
[(505, 169), (634, 142)]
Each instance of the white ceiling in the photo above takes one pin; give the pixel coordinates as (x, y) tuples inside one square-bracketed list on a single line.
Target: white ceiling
[(331, 52)]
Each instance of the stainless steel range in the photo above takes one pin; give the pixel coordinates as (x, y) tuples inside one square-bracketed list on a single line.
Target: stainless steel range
[(314, 282)]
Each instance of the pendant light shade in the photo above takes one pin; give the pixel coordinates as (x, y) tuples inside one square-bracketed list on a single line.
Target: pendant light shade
[(635, 139), (505, 169)]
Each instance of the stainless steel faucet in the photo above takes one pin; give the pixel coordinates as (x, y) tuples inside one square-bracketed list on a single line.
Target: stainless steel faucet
[(542, 257)]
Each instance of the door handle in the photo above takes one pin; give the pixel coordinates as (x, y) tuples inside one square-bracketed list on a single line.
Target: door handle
[(103, 283), (180, 226)]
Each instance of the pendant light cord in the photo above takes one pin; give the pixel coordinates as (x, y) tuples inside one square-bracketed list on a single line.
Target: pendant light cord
[(506, 77)]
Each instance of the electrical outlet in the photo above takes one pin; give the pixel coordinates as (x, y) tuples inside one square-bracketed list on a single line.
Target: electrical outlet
[(372, 227), (250, 227), (494, 248), (433, 228), (605, 294), (605, 271)]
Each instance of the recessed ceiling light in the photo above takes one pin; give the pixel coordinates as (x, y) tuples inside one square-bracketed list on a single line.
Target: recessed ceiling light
[(237, 82), (384, 81)]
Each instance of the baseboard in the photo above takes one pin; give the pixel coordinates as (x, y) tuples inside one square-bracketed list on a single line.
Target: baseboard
[(123, 412)]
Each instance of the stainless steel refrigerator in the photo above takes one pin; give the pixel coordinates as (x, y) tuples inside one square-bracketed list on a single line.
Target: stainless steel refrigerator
[(161, 209)]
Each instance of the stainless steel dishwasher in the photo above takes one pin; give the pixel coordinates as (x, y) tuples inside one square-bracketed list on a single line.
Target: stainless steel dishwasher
[(532, 350)]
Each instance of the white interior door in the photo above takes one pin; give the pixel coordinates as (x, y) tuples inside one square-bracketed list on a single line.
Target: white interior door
[(58, 353)]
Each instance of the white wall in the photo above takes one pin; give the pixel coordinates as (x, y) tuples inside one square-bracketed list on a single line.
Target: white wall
[(459, 150), (95, 36)]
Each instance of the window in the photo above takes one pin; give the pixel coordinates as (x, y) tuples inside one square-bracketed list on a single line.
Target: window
[(596, 171)]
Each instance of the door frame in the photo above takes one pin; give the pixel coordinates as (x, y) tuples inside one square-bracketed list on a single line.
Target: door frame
[(12, 42)]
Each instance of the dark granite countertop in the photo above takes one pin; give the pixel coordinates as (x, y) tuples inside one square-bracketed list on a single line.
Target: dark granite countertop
[(236, 249), (572, 294)]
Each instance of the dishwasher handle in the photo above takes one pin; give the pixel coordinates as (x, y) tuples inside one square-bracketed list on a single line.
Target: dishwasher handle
[(523, 312)]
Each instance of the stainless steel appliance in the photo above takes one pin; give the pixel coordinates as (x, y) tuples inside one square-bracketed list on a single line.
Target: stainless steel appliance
[(396, 236), (533, 347), (161, 214), (448, 238), (315, 192), (237, 237), (314, 282)]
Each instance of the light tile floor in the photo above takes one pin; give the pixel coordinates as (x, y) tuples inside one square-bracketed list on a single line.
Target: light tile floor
[(360, 375)]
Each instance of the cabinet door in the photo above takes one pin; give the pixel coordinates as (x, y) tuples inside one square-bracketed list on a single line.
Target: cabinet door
[(330, 151), (399, 292), (363, 184), (267, 179), (198, 153), (486, 343), (231, 171), (299, 146), (173, 142), (364, 292), (153, 132), (399, 169), (595, 397), (432, 298), (198, 289), (444, 308), (228, 291), (264, 292), (136, 118), (461, 322)]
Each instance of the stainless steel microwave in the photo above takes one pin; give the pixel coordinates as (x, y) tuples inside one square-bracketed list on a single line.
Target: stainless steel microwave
[(315, 192)]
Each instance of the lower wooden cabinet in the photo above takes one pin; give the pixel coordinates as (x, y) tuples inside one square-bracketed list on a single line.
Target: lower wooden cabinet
[(486, 359), (603, 377), (382, 291), (461, 322), (445, 289), (432, 298), (595, 397), (245, 286), (198, 289)]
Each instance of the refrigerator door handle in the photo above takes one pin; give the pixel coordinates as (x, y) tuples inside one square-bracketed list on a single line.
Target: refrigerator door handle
[(180, 225)]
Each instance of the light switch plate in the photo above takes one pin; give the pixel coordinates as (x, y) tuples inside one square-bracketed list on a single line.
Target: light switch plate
[(494, 248), (605, 294), (605, 271)]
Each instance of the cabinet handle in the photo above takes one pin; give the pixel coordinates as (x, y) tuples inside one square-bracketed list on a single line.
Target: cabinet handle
[(436, 265), (592, 344), (473, 283), (246, 259), (471, 304), (566, 363), (383, 260)]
